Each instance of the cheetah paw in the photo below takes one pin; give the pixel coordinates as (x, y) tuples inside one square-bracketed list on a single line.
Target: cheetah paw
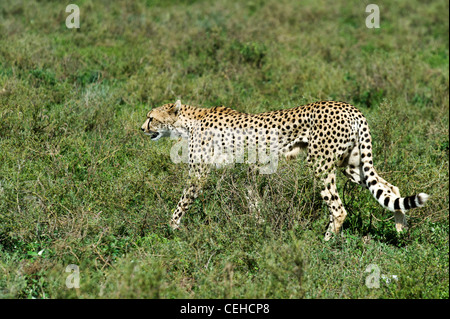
[(174, 224), (328, 236)]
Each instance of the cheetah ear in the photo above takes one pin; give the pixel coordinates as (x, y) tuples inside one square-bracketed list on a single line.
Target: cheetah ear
[(177, 105)]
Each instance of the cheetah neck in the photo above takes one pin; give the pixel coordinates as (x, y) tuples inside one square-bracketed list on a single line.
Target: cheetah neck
[(188, 117)]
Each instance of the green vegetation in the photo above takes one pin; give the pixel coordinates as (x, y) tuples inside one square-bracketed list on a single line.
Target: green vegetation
[(80, 184)]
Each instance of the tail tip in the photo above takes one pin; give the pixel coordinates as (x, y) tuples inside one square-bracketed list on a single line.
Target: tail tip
[(422, 197)]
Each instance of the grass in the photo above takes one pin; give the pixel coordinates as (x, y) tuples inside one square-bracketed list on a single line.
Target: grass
[(80, 185)]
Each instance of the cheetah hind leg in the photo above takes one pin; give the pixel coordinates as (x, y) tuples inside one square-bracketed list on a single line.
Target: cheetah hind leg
[(353, 167), (337, 211), (354, 171)]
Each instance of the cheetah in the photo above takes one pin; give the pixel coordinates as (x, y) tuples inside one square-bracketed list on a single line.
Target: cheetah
[(334, 134)]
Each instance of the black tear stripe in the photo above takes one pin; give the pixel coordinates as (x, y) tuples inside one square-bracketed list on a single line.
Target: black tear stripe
[(379, 192), (397, 204), (386, 201)]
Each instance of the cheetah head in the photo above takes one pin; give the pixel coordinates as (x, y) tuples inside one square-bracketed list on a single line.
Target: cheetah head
[(162, 121)]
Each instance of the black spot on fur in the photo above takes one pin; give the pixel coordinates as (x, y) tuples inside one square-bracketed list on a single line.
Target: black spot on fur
[(379, 192)]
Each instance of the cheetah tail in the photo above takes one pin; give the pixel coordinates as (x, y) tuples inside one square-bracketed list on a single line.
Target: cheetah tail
[(390, 199), (406, 203), (386, 194)]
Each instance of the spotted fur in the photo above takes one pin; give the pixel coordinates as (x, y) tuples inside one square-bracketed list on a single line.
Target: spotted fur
[(335, 134)]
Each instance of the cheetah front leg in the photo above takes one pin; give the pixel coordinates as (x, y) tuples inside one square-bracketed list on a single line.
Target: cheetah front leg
[(190, 193), (197, 179)]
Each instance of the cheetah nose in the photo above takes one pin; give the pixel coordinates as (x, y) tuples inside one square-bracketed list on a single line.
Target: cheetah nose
[(142, 129)]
